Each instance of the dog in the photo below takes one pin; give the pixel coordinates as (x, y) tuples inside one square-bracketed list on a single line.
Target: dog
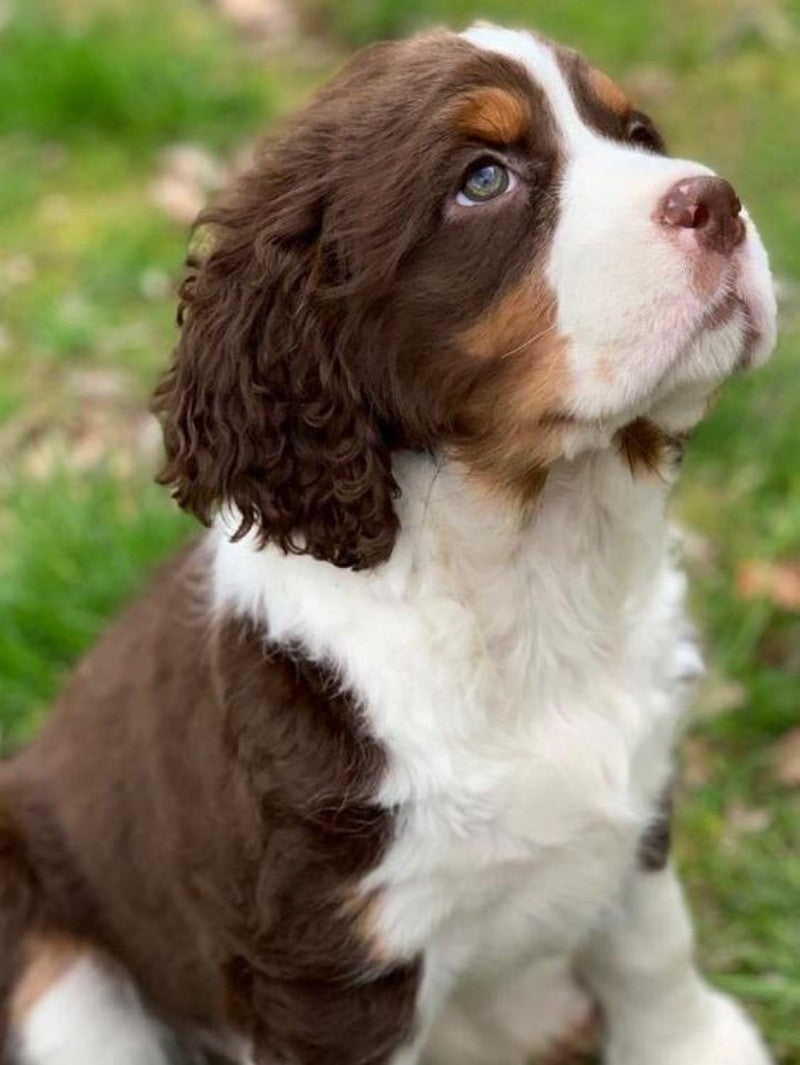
[(378, 771)]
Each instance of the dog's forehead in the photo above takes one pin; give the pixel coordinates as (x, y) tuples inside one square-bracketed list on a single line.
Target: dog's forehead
[(563, 75)]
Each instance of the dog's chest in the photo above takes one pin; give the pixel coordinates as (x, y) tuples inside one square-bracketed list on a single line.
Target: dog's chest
[(520, 824), (522, 684), (529, 733)]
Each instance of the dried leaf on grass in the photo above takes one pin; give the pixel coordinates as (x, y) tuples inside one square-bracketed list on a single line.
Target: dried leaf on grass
[(719, 694), (187, 175), (742, 820), (787, 759), (697, 761), (777, 581), (272, 19)]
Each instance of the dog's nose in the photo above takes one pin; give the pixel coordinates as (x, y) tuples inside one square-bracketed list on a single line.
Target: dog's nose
[(709, 206)]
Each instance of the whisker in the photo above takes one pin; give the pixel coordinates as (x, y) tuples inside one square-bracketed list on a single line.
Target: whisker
[(528, 342)]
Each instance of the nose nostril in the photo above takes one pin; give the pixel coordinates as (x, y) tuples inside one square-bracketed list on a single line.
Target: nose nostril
[(701, 217)]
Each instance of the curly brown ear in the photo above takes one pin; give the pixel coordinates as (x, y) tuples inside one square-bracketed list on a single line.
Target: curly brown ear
[(258, 410)]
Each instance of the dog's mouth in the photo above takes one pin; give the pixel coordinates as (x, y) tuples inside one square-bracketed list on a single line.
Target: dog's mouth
[(743, 311), (749, 297)]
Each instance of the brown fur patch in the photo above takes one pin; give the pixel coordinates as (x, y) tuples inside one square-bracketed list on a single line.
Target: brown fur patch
[(601, 103), (608, 92), (494, 115), (646, 447), (46, 960)]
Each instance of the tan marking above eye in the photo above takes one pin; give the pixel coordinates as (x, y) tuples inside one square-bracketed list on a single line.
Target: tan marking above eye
[(608, 92), (494, 115)]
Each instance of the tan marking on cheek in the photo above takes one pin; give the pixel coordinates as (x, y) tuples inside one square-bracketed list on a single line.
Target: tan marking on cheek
[(46, 961), (514, 413), (523, 318), (608, 92), (494, 115)]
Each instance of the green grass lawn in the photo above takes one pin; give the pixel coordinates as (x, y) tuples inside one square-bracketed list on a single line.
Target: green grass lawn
[(93, 95)]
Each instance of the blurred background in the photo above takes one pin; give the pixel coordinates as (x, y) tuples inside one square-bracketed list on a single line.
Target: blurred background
[(119, 117)]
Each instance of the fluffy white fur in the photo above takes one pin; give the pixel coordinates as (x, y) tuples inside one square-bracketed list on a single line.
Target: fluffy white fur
[(90, 1015)]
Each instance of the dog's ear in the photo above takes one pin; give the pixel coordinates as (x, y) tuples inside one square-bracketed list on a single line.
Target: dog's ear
[(259, 410)]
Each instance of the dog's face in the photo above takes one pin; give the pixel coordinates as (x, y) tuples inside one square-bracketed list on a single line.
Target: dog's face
[(472, 244)]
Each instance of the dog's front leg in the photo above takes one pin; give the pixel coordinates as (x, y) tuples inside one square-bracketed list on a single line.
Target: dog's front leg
[(658, 1010)]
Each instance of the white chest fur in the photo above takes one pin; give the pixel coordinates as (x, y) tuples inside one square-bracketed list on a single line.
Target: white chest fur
[(525, 679)]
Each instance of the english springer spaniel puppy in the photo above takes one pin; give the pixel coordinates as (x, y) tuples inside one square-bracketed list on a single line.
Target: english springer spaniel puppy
[(377, 773)]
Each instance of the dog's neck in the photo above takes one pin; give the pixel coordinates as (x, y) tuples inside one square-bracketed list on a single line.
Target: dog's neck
[(596, 510), (578, 561), (482, 623)]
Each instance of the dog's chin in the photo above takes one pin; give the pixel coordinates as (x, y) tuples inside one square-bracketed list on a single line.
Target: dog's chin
[(727, 343), (735, 336)]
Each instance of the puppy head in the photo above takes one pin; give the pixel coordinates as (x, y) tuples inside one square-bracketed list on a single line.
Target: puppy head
[(474, 245)]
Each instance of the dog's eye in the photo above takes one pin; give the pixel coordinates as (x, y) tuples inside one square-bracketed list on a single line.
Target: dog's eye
[(641, 131), (484, 182)]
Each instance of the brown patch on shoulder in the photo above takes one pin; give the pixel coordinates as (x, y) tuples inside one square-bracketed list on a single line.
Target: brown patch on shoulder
[(252, 782), (608, 92), (46, 958), (314, 771), (514, 414), (647, 448), (495, 115)]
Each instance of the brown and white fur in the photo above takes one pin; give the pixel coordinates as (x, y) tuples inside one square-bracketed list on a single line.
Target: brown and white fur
[(376, 772)]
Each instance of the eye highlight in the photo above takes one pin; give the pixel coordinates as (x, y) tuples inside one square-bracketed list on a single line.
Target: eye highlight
[(484, 182)]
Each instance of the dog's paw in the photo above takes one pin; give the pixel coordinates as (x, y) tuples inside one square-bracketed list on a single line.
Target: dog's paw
[(718, 1034)]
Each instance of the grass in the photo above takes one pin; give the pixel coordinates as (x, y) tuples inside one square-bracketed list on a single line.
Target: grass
[(94, 90), (100, 532), (88, 72)]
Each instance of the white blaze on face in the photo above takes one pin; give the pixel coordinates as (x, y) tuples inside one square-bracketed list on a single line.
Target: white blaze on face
[(643, 332)]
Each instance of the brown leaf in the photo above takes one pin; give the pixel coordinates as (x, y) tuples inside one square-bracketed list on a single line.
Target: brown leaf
[(719, 695), (697, 761), (787, 759), (187, 174), (274, 19), (777, 581)]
